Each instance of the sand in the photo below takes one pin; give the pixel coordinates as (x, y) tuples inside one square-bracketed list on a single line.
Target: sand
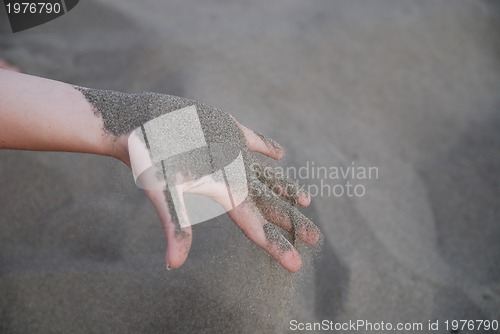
[(410, 87)]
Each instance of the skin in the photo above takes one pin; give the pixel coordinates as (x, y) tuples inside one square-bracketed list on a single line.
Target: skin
[(46, 115), (7, 66)]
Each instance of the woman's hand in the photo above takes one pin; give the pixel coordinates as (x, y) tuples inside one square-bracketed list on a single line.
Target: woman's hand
[(46, 115), (268, 200)]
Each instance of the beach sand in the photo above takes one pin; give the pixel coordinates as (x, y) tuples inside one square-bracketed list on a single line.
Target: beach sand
[(409, 87)]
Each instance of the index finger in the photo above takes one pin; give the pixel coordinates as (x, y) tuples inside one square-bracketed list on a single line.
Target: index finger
[(257, 142)]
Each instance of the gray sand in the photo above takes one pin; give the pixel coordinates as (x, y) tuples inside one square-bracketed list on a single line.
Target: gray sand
[(408, 86)]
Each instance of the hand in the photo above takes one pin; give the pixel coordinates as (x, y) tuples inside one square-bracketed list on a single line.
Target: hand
[(45, 115), (271, 200)]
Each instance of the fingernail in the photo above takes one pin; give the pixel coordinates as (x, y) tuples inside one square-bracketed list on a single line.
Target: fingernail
[(168, 266), (305, 197)]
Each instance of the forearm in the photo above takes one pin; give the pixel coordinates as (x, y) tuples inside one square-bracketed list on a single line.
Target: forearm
[(46, 115)]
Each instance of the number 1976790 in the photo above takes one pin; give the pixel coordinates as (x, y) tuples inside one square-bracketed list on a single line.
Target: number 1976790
[(33, 8), (472, 325)]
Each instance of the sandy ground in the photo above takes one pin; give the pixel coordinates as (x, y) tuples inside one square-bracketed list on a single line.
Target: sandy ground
[(410, 87)]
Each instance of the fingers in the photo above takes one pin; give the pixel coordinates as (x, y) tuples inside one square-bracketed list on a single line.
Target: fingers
[(280, 185), (288, 190), (257, 142), (248, 218), (286, 216), (178, 238)]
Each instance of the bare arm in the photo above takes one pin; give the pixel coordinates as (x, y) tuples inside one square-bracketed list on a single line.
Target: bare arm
[(46, 115)]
